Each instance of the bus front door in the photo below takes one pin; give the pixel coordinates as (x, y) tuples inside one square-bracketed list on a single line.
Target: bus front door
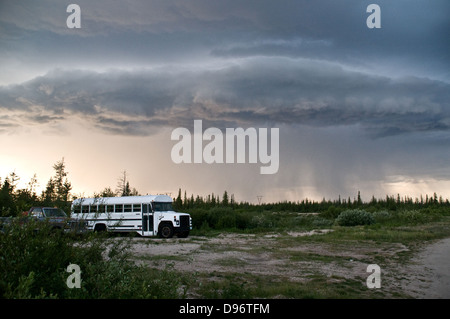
[(147, 220)]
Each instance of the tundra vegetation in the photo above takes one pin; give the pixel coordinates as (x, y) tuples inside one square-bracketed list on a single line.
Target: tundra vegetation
[(345, 233)]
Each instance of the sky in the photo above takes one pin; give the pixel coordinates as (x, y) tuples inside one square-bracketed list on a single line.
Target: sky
[(357, 108)]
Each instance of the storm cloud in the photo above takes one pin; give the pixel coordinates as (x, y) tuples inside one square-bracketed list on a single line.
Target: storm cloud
[(256, 91), (136, 33)]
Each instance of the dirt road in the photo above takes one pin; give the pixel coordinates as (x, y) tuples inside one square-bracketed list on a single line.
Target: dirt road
[(431, 272)]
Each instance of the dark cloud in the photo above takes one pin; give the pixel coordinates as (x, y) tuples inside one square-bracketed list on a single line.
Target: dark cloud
[(249, 92), (410, 42)]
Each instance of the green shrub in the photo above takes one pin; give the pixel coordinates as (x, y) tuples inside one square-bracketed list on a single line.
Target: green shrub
[(381, 216), (331, 213), (243, 220), (354, 217), (221, 218), (260, 221), (34, 260), (415, 217), (311, 221), (199, 218), (321, 222)]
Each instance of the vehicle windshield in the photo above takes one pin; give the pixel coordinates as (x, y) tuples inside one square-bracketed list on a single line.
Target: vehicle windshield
[(54, 212), (162, 207)]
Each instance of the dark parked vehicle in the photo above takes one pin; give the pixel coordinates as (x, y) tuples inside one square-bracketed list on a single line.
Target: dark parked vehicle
[(4, 223), (57, 218)]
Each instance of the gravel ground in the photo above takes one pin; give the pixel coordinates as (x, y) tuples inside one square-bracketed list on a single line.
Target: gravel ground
[(427, 275)]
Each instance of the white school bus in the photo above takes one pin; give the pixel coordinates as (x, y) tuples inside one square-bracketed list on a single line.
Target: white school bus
[(150, 215)]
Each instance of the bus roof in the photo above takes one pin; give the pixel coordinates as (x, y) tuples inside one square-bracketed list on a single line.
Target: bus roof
[(122, 200)]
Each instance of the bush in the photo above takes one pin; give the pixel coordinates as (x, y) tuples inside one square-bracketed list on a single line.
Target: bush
[(310, 221), (321, 222), (382, 216), (415, 217), (354, 217), (33, 265), (331, 213), (261, 221), (220, 218)]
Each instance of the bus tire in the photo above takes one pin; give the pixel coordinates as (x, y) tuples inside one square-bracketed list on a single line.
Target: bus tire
[(100, 228), (165, 230)]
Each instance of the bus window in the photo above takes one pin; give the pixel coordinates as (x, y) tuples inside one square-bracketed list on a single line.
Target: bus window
[(77, 209)]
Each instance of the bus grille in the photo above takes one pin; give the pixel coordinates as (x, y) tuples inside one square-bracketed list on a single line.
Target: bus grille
[(184, 223)]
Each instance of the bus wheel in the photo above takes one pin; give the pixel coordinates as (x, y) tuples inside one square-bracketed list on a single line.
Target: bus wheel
[(165, 231), (100, 228)]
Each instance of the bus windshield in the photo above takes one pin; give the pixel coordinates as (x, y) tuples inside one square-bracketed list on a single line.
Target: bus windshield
[(162, 207)]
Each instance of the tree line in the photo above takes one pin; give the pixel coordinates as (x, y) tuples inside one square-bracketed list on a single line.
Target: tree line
[(389, 202), (57, 193)]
